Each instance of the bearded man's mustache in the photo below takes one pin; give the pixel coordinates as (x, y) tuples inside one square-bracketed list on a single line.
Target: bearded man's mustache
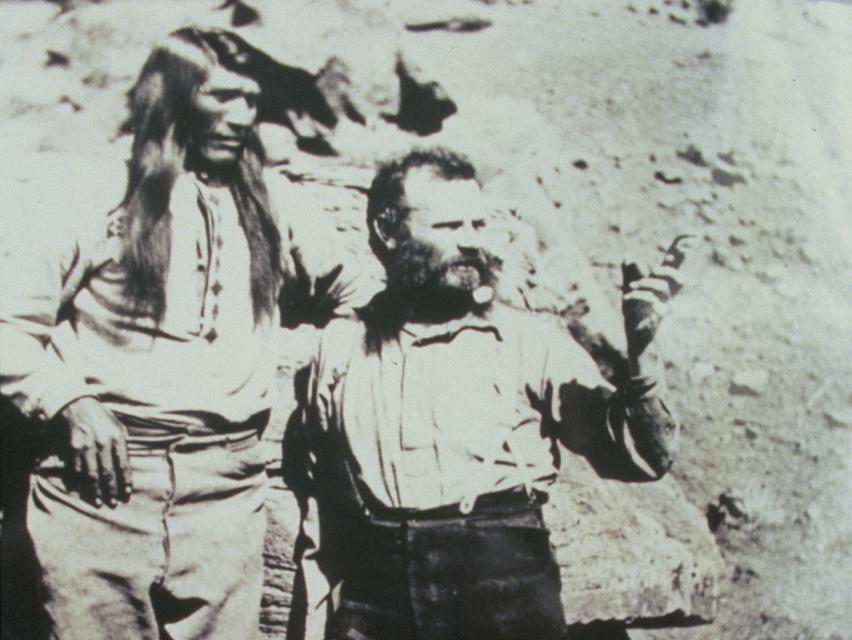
[(416, 265), (487, 264)]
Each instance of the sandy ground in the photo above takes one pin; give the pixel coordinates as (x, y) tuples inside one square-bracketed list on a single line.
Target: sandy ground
[(737, 132)]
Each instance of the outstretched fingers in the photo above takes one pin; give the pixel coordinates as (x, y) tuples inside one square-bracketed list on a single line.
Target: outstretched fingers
[(678, 250), (672, 276), (665, 282)]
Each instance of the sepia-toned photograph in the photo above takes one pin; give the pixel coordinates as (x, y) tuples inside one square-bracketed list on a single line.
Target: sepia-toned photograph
[(447, 320)]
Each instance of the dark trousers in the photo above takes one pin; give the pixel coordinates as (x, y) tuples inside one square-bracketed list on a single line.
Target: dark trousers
[(440, 575)]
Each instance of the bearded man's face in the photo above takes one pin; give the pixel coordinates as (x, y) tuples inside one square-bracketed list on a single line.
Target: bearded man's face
[(442, 245)]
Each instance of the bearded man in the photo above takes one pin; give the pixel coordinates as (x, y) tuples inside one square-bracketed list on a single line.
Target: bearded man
[(431, 422), (144, 339)]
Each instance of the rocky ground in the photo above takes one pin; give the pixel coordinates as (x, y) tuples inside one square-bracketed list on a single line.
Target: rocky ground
[(607, 128)]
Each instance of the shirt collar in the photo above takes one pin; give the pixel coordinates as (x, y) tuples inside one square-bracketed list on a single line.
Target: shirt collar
[(424, 334)]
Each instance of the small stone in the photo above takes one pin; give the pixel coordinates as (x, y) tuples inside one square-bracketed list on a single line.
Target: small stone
[(840, 417), (736, 239), (708, 213), (771, 273), (727, 510), (753, 382), (727, 157), (726, 178), (56, 59), (724, 258), (693, 155), (714, 11), (689, 208), (812, 513), (423, 103), (243, 13), (456, 25), (809, 253), (666, 179), (700, 372)]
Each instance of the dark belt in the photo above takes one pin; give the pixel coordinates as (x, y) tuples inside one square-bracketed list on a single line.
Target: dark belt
[(489, 504), (375, 542)]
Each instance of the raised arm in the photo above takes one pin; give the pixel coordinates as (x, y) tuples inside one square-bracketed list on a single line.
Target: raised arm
[(628, 431), (645, 297)]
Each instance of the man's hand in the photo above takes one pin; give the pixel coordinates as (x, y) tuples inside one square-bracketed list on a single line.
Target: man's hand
[(96, 453), (645, 298)]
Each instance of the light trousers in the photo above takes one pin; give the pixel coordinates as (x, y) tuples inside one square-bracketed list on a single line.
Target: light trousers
[(183, 559)]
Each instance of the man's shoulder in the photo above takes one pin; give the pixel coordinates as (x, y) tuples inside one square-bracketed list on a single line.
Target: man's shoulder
[(62, 199), (538, 333), (527, 323)]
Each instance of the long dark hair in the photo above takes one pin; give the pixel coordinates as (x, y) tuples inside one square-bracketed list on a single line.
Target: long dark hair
[(161, 118)]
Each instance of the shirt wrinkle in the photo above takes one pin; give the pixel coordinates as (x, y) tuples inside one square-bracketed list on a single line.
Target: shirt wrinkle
[(101, 346), (460, 416)]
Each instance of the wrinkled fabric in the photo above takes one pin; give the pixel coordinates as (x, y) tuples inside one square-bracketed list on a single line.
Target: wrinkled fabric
[(183, 557), (68, 329), (435, 415), (440, 414)]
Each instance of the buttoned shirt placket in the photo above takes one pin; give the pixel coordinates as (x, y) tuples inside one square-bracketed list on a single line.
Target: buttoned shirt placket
[(210, 206), (415, 437)]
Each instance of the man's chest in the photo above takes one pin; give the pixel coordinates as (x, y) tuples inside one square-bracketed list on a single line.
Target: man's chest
[(206, 274), (461, 392)]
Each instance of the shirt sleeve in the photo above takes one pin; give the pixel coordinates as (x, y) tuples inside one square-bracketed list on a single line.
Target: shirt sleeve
[(317, 587), (624, 436), (306, 462), (300, 475), (43, 266)]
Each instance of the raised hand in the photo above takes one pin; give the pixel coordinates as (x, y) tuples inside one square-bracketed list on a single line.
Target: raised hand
[(96, 453), (645, 296)]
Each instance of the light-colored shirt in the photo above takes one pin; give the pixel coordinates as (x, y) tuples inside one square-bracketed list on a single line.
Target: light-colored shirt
[(67, 329), (439, 414)]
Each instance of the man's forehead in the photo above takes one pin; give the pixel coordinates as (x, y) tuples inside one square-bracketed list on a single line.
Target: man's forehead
[(425, 190), (221, 79)]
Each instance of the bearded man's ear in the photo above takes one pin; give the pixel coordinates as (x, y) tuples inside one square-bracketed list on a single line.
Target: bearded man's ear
[(384, 230)]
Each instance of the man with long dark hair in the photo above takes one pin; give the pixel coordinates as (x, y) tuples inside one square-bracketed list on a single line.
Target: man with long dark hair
[(144, 341), (430, 427)]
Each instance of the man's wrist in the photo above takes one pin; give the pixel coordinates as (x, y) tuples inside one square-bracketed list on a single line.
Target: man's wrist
[(641, 382), (645, 363)]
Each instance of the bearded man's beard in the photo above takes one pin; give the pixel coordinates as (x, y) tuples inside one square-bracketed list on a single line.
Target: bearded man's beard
[(435, 290)]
